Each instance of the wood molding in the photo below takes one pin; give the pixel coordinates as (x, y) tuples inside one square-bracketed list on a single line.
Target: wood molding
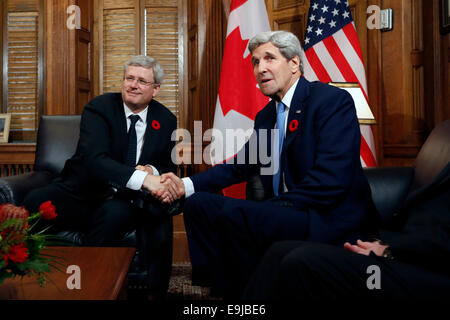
[(16, 158)]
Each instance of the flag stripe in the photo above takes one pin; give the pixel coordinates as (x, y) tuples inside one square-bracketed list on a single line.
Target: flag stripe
[(317, 66), (352, 57), (366, 132), (339, 59), (328, 62), (350, 32), (308, 71), (367, 154)]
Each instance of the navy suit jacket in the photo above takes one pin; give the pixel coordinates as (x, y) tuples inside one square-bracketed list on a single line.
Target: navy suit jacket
[(99, 160), (320, 162)]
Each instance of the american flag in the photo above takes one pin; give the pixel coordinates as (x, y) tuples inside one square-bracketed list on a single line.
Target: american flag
[(333, 54)]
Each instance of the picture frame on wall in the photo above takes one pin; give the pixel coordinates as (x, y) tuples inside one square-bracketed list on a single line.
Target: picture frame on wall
[(5, 121), (445, 16)]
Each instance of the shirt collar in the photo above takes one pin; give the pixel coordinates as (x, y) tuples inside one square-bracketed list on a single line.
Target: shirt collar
[(142, 114), (287, 99)]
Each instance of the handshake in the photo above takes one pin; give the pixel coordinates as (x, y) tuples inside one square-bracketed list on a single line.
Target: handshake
[(167, 188)]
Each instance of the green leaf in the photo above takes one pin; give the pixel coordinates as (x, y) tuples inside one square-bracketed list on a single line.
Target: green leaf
[(5, 275), (36, 265), (11, 223)]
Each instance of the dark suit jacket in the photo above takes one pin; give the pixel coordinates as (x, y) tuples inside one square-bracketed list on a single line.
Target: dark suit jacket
[(102, 146), (320, 161), (425, 237)]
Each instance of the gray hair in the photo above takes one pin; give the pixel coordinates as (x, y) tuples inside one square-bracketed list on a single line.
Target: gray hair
[(148, 63), (285, 41)]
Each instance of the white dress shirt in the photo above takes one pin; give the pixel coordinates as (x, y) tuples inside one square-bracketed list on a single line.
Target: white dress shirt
[(138, 176), (287, 100)]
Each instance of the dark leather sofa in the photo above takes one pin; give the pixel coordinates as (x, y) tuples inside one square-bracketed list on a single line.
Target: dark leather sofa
[(391, 185), (56, 142)]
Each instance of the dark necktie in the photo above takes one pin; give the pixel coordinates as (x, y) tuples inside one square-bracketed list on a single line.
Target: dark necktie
[(280, 126), (132, 142)]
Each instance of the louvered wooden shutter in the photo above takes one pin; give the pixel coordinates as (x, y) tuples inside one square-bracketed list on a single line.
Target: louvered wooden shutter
[(23, 74), (162, 44), (122, 36), (120, 20)]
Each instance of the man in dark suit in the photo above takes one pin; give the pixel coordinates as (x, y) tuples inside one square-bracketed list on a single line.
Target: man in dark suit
[(316, 191), (125, 143), (413, 262)]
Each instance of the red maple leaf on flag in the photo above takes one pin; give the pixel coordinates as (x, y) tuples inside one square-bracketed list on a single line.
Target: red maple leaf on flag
[(238, 90)]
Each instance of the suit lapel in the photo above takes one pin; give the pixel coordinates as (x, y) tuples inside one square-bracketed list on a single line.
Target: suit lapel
[(151, 134), (268, 118), (294, 124), (122, 127)]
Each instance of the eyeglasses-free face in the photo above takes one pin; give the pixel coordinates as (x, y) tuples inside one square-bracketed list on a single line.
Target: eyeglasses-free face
[(139, 87)]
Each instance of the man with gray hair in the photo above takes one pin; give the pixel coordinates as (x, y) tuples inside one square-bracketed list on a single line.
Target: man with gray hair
[(125, 143), (319, 193)]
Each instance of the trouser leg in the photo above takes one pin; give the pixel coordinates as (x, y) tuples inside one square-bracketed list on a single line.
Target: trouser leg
[(262, 283), (227, 237), (110, 222), (155, 241), (72, 212), (316, 271)]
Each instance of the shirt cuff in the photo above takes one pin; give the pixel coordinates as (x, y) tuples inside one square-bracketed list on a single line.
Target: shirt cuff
[(155, 171), (188, 187), (136, 180)]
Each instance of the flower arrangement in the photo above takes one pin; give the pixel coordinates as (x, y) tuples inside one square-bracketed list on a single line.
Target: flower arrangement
[(20, 249)]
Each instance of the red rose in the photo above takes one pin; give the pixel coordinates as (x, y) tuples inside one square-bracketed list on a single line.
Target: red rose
[(17, 253), (293, 125), (47, 211), (156, 125)]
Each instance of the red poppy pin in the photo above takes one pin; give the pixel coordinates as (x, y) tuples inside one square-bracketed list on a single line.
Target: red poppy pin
[(156, 125), (293, 125)]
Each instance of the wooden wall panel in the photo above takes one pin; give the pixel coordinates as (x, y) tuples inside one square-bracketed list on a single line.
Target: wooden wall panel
[(207, 25), (437, 67), (69, 55), (402, 79), (84, 56), (60, 60)]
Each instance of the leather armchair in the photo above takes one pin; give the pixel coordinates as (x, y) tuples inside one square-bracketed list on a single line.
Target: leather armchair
[(56, 142), (390, 186)]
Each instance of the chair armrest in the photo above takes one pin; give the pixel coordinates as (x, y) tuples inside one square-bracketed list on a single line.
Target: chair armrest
[(13, 189), (389, 187)]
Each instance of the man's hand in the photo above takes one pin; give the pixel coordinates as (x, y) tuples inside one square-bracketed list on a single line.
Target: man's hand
[(165, 192), (176, 186), (362, 247), (147, 169)]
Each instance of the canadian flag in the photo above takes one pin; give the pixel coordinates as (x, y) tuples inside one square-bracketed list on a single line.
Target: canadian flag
[(239, 98)]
